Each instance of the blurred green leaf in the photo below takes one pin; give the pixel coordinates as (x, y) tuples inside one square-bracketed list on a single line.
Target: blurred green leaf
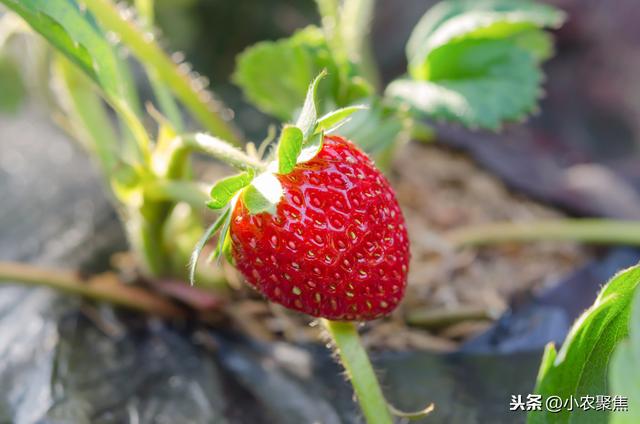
[(76, 34), (289, 147), (224, 190), (457, 20), (477, 61), (624, 372), (480, 83), (538, 43), (88, 115), (580, 367), (275, 75), (11, 86)]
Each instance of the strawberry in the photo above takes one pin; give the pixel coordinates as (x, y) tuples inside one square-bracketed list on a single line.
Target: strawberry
[(337, 246), (318, 228)]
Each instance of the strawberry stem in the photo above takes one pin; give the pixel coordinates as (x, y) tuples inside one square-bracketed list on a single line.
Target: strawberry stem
[(192, 193), (219, 149), (356, 362)]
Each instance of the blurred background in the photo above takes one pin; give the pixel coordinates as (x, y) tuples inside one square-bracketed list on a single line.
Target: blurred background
[(470, 318)]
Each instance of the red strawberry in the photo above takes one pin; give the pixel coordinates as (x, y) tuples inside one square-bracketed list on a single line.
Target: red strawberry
[(337, 247)]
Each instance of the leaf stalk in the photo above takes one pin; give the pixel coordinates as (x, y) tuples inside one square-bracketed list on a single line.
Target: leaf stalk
[(219, 149), (207, 111)]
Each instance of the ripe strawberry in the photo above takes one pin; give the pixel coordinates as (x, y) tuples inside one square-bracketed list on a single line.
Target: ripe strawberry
[(337, 246)]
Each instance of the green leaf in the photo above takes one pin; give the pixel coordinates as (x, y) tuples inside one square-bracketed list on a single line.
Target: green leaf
[(333, 120), (263, 194), (223, 190), (477, 61), (309, 113), (580, 367), (480, 83), (624, 372), (311, 148), (76, 34), (208, 234), (454, 21), (289, 147), (224, 238), (538, 43), (275, 75), (11, 86)]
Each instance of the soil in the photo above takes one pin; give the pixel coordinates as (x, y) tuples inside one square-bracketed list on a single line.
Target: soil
[(453, 294)]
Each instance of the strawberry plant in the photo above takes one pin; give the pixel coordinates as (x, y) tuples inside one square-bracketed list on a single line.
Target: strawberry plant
[(309, 221)]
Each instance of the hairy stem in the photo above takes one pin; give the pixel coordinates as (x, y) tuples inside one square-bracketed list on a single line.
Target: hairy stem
[(360, 372), (596, 231), (205, 109), (164, 97), (103, 288), (217, 148), (330, 14), (146, 10), (356, 27)]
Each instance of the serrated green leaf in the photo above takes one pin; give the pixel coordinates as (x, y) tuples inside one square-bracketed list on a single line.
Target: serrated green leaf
[(223, 191), (75, 33), (311, 148), (580, 367), (336, 118), (275, 75), (469, 61), (454, 21), (480, 83), (309, 113), (11, 86), (263, 194), (289, 147), (538, 43), (208, 234), (624, 372)]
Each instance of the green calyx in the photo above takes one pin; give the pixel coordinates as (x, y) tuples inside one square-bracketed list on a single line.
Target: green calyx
[(261, 192), (301, 142)]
